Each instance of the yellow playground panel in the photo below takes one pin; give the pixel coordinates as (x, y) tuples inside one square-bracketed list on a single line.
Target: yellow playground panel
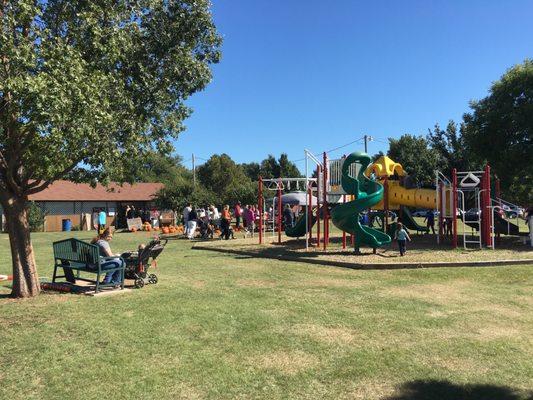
[(397, 195)]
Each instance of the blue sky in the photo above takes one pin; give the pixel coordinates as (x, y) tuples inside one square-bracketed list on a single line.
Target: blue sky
[(313, 74)]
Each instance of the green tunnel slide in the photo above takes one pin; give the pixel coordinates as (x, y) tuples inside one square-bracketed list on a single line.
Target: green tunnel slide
[(367, 193)]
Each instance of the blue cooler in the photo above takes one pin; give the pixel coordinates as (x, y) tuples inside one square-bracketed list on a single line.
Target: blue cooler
[(67, 225)]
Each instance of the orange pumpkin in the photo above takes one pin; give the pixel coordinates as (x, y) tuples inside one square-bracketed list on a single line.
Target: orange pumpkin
[(133, 229), (165, 230)]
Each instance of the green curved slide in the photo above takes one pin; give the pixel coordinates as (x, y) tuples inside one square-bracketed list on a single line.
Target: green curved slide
[(298, 230), (409, 221), (367, 193)]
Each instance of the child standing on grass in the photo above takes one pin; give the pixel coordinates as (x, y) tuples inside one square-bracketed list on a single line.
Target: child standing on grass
[(402, 237)]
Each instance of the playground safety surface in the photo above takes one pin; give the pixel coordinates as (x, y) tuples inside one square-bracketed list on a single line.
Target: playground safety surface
[(423, 252)]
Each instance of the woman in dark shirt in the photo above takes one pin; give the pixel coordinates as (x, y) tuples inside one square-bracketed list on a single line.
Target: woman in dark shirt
[(191, 228)]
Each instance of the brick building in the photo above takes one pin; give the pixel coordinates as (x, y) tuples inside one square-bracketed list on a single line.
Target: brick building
[(77, 202)]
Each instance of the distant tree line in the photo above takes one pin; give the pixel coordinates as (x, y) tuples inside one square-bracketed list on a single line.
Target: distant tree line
[(220, 180), (497, 130)]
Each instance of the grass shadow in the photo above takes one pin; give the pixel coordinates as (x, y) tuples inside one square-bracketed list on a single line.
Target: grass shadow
[(5, 291), (445, 390)]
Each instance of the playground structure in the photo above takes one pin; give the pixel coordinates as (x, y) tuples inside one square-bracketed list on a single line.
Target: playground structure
[(341, 190)]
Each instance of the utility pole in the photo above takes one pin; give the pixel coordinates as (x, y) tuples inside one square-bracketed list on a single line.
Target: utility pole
[(193, 172), (367, 139)]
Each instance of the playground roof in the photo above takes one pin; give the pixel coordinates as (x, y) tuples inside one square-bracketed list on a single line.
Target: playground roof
[(295, 198), (384, 167)]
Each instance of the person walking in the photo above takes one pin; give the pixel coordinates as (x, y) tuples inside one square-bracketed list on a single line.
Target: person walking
[(244, 219), (225, 222), (529, 222), (430, 220), (102, 217), (191, 224), (238, 215), (249, 217), (448, 227), (288, 216), (402, 237), (94, 218), (215, 216), (186, 211)]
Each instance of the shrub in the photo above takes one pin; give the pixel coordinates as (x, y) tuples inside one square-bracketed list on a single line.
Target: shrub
[(36, 216)]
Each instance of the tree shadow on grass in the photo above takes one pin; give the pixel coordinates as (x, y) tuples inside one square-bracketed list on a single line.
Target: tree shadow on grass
[(5, 292), (445, 390)]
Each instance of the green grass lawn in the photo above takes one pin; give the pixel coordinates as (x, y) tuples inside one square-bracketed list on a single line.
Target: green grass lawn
[(223, 327)]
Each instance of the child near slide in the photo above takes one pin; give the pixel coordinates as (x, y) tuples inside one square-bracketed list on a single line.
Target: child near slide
[(402, 237)]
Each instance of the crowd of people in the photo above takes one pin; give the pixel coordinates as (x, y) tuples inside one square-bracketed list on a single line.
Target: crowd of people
[(208, 221), (144, 214)]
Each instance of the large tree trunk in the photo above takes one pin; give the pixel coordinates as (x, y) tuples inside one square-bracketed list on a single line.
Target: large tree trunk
[(25, 278)]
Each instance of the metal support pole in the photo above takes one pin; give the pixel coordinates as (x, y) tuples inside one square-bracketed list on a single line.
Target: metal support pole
[(386, 204), (325, 200), (499, 197), (454, 208), (307, 211), (260, 209), (437, 198), (318, 207), (193, 172), (442, 198), (486, 208), (280, 210), (310, 212), (344, 232), (367, 139)]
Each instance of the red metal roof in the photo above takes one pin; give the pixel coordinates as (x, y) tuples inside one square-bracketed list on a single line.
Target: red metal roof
[(70, 191)]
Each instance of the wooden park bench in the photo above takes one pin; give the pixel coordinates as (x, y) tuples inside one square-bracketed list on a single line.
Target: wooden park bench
[(73, 254)]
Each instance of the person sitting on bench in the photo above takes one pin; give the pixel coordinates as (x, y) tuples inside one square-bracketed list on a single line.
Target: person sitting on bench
[(102, 241)]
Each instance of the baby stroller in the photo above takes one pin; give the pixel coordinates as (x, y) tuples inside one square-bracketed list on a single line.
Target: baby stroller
[(138, 262), (206, 229)]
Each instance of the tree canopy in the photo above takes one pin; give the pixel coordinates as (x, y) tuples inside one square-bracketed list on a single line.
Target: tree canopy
[(499, 130), (156, 167), (85, 85), (451, 149), (282, 167), (226, 179), (416, 157)]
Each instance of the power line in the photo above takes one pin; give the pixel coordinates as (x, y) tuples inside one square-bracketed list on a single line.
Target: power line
[(344, 145), (331, 150)]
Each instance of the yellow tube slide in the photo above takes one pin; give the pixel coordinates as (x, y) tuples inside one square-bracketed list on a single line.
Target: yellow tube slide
[(416, 198)]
